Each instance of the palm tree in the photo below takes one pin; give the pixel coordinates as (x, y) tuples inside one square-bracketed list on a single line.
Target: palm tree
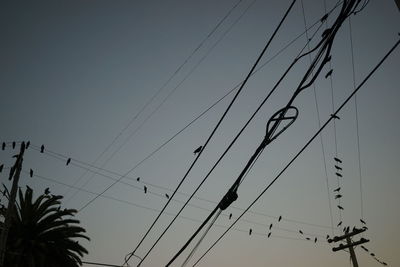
[(40, 235)]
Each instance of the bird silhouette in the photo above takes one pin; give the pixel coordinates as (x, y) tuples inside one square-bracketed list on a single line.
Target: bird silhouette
[(13, 145), (308, 238), (42, 149), (335, 116), (198, 150), (250, 231), (328, 74), (280, 218), (337, 160), (338, 168), (31, 173), (270, 226), (338, 174), (145, 189), (315, 240), (3, 146), (47, 191), (269, 234), (167, 196), (327, 236), (372, 254), (68, 161), (1, 167), (340, 207), (27, 144), (301, 232), (337, 189), (230, 216), (362, 221), (138, 179), (339, 224), (347, 230), (338, 196)]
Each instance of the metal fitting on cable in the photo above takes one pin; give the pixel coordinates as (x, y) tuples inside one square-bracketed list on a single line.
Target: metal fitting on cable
[(228, 199)]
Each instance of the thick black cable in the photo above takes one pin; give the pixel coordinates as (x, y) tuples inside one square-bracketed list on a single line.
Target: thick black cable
[(162, 88), (236, 95), (323, 54), (304, 147)]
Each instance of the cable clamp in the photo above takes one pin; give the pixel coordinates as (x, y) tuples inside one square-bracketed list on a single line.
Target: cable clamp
[(228, 199)]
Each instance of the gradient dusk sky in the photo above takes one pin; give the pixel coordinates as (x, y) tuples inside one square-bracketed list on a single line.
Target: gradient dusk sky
[(76, 77)]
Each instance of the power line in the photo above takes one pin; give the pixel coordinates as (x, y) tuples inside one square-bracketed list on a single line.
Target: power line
[(167, 82), (160, 195), (356, 117), (319, 123), (205, 111), (305, 146), (237, 93), (154, 209)]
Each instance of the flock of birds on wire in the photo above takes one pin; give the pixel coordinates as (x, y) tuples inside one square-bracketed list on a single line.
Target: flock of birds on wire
[(336, 191)]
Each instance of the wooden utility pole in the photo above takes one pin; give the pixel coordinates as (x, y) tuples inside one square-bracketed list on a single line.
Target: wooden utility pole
[(14, 174), (349, 244)]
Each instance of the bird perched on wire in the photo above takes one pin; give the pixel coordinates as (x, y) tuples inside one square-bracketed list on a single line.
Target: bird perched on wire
[(167, 196), (329, 73), (1, 167), (315, 240), (68, 161), (335, 116), (27, 144), (337, 160), (145, 189), (42, 149), (301, 232), (47, 191), (338, 168), (138, 179), (308, 238), (338, 174), (362, 221), (13, 144), (339, 224), (250, 231), (31, 173), (198, 150), (280, 218), (269, 234), (3, 146), (270, 226), (230, 216), (340, 207), (338, 196), (337, 189)]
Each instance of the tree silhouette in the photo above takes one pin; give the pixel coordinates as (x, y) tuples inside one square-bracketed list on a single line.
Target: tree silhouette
[(43, 234)]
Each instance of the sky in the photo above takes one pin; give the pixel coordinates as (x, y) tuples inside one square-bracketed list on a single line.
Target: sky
[(106, 83)]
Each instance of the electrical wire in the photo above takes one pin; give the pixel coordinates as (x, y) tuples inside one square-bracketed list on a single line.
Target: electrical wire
[(168, 81), (237, 93), (319, 124), (357, 124), (305, 146), (61, 158)]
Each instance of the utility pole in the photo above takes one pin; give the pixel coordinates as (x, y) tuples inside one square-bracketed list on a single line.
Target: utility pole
[(349, 244), (14, 174)]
